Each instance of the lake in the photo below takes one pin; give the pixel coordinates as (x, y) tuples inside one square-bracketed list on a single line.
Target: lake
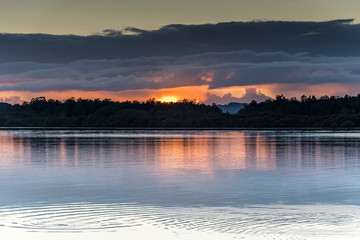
[(148, 184)]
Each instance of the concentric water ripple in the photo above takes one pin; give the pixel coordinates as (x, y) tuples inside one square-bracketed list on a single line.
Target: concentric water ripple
[(329, 221)]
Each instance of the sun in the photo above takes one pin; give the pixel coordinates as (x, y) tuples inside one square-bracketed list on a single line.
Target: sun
[(168, 99)]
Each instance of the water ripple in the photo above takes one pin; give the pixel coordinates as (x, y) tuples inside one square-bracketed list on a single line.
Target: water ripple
[(298, 221)]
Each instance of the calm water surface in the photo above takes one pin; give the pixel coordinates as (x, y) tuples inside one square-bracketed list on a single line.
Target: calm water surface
[(179, 184)]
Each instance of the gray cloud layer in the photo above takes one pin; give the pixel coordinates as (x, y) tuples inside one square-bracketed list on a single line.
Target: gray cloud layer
[(217, 55), (217, 70), (333, 38)]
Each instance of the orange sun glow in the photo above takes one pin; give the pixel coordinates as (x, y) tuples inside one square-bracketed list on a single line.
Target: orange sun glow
[(168, 99)]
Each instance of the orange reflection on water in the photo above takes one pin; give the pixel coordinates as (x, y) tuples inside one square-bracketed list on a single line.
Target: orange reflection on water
[(215, 151), (203, 152)]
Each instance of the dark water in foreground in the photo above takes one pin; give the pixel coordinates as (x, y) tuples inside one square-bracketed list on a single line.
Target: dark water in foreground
[(180, 184)]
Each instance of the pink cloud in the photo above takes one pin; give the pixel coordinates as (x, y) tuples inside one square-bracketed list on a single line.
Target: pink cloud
[(250, 94)]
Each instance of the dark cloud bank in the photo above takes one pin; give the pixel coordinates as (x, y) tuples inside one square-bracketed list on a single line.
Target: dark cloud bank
[(217, 55), (217, 70), (333, 38)]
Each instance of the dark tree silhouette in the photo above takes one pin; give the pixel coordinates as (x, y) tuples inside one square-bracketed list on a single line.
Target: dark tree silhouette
[(281, 112)]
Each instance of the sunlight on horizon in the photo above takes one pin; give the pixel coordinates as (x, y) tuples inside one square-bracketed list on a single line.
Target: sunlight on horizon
[(168, 99)]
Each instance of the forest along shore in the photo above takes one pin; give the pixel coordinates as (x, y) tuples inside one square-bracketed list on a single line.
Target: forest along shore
[(281, 112)]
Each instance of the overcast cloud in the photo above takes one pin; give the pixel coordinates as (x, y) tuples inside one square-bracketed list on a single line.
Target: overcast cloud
[(216, 70), (333, 38), (214, 55)]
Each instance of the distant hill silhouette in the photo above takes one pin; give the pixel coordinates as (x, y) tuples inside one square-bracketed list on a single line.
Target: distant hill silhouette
[(232, 107), (4, 106)]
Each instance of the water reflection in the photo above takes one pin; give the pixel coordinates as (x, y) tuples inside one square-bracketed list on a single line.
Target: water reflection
[(240, 182), (201, 151)]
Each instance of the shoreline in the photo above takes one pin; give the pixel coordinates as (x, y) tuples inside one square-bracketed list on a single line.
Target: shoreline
[(179, 129)]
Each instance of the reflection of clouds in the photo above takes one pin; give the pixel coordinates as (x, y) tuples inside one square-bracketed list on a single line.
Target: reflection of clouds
[(203, 151), (179, 168)]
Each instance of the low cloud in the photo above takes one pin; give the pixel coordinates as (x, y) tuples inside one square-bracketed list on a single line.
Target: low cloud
[(250, 95), (11, 100)]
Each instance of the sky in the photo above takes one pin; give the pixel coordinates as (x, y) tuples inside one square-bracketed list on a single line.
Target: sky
[(83, 17), (218, 51)]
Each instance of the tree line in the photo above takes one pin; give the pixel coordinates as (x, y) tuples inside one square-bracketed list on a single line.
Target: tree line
[(281, 112), (40, 112), (334, 112)]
